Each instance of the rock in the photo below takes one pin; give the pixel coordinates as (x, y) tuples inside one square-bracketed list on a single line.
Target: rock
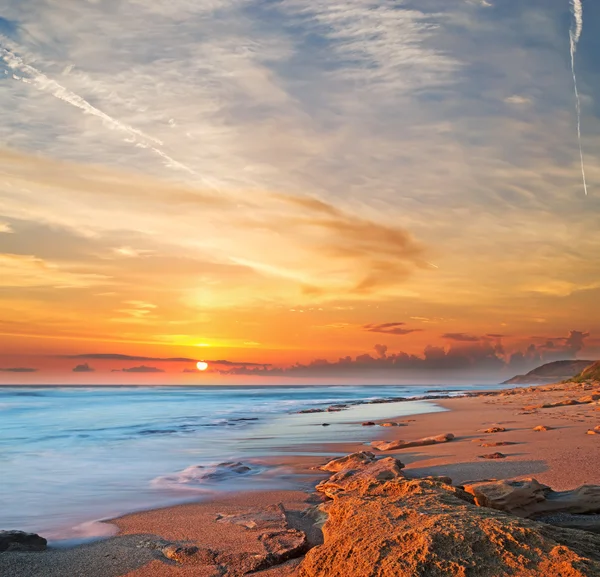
[(390, 424), (528, 498), (309, 411), (270, 518), (592, 432), (420, 527), (589, 399), (352, 461), (179, 553), (494, 430), (368, 424), (395, 445), (498, 444), (325, 425), (21, 541), (541, 428), (284, 545), (493, 456), (371, 473)]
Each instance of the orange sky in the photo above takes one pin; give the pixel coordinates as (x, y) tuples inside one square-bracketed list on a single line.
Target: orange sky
[(330, 192), (150, 268)]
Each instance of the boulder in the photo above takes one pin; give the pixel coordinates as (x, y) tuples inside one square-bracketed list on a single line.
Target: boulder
[(21, 541), (409, 527), (369, 474), (395, 445), (352, 461), (541, 428), (284, 545), (528, 498)]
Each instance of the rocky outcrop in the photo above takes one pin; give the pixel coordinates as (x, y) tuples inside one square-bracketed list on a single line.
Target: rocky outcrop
[(378, 527), (370, 473), (352, 461), (395, 445), (21, 541), (528, 498)]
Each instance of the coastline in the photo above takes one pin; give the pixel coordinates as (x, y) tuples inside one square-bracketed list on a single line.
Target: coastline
[(563, 457)]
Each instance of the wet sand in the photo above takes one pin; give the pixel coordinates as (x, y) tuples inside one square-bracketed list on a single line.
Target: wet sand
[(563, 457)]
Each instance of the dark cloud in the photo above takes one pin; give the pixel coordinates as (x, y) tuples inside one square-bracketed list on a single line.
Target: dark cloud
[(84, 368), (390, 329), (461, 337), (143, 369), (19, 370), (120, 357)]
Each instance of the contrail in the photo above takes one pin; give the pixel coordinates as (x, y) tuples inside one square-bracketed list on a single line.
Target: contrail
[(46, 84), (574, 35)]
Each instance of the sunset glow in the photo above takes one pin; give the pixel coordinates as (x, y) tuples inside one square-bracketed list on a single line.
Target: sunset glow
[(352, 194)]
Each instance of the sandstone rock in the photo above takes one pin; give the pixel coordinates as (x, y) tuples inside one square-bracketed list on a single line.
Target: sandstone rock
[(21, 541), (390, 424), (284, 545), (541, 428), (371, 474), (179, 553), (494, 430), (395, 445), (352, 461), (592, 432), (406, 528), (498, 444), (493, 456), (528, 498), (272, 517)]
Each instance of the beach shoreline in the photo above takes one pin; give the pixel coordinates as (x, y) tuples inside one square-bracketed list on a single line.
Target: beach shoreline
[(563, 456)]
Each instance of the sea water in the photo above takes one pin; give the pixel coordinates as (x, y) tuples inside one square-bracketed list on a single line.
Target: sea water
[(72, 455)]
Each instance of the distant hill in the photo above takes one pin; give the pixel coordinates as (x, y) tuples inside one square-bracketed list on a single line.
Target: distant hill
[(552, 372), (590, 373)]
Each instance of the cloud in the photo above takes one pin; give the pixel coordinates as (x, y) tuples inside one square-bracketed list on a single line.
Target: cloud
[(461, 337), (465, 358), (143, 369), (84, 368), (122, 357), (19, 370), (5, 228), (390, 329)]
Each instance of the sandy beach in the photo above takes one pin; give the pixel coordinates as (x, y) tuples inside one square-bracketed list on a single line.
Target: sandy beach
[(227, 531)]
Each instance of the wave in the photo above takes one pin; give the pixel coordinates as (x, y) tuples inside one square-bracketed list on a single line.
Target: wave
[(201, 477)]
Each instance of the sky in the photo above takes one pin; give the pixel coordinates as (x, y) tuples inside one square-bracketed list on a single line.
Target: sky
[(296, 190)]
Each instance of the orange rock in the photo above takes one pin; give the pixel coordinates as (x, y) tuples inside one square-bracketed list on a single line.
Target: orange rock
[(494, 430), (395, 445), (425, 527), (540, 428)]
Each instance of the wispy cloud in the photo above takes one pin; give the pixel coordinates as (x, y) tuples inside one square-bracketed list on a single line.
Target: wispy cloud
[(390, 329)]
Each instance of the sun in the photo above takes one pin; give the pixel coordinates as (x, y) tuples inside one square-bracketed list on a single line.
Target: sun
[(202, 366)]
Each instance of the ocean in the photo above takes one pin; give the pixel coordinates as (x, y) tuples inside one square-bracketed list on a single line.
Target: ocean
[(70, 456)]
